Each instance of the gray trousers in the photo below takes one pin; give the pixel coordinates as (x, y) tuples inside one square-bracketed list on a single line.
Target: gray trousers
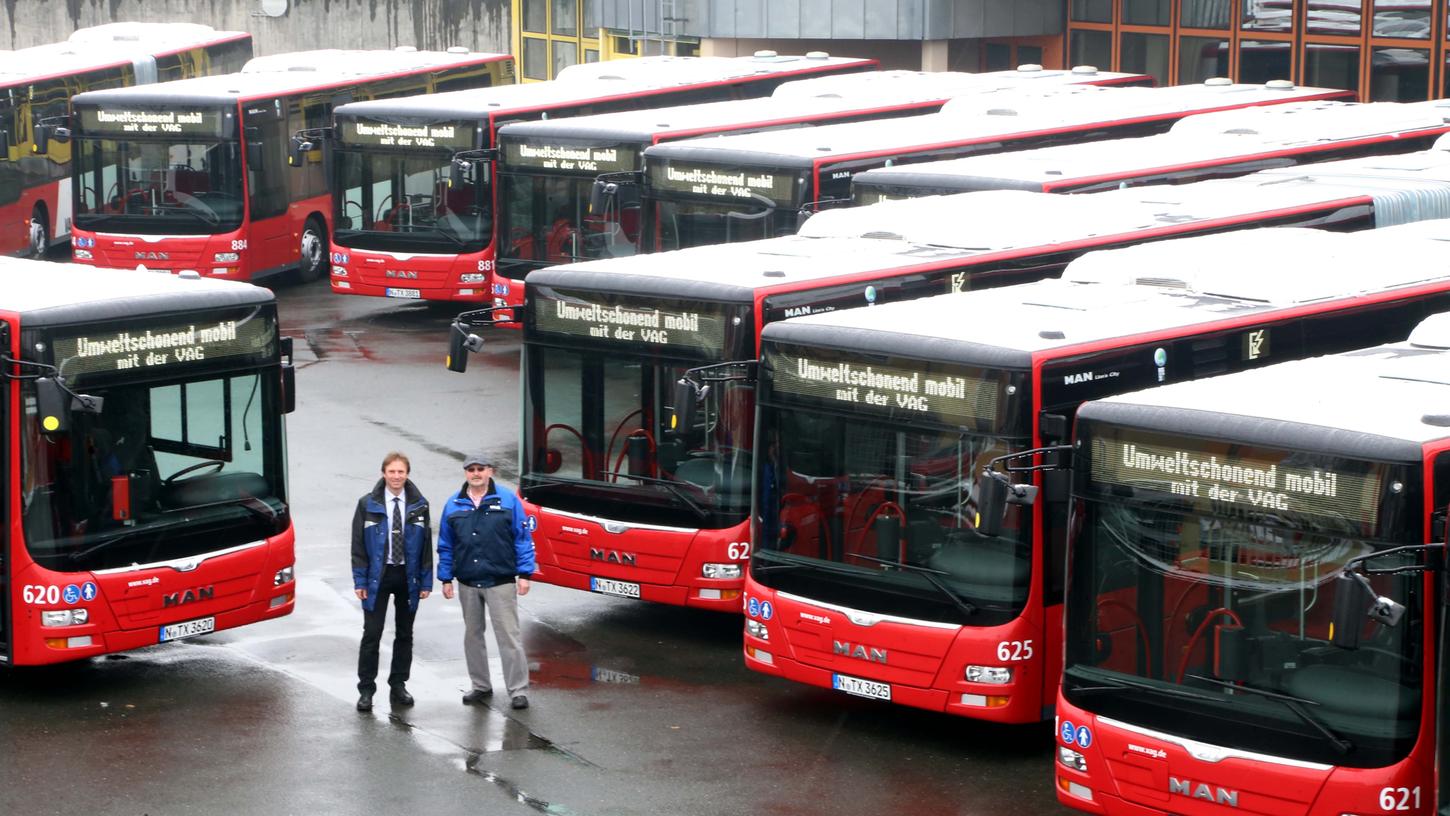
[(503, 607)]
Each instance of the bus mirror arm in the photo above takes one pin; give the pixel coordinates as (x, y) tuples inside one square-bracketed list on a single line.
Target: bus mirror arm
[(691, 390), (1355, 598), (462, 342), (304, 142), (995, 489), (48, 128), (55, 400), (604, 194), (463, 160)]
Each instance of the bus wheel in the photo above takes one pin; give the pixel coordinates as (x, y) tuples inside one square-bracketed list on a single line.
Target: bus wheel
[(312, 260), (39, 233)]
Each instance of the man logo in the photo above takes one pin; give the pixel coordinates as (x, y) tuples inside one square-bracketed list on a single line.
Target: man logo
[(1217, 795), (858, 651), (613, 557), (185, 597), (143, 255)]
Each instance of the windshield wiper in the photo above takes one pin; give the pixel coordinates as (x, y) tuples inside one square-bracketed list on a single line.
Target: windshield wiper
[(211, 219), (435, 228), (673, 487), (1294, 704), (123, 535), (931, 575), (1120, 687), (823, 566)]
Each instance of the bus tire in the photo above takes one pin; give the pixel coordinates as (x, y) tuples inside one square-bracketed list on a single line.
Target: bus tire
[(39, 233), (312, 251)]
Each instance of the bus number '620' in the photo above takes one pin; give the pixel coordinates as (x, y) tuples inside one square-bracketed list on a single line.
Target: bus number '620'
[(40, 594)]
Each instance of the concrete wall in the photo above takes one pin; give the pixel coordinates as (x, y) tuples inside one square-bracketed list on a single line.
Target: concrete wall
[(481, 25), (839, 19)]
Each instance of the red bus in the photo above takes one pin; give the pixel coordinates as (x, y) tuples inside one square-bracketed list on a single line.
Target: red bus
[(194, 174), (36, 84), (413, 180), (144, 461), (550, 169), (1255, 621), (752, 186), (872, 574), (1213, 145), (628, 506)]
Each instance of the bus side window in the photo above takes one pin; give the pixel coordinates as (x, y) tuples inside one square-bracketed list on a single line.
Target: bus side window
[(268, 184)]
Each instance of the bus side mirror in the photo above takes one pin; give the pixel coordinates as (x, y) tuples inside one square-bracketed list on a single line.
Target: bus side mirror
[(457, 172), (297, 150), (40, 143), (603, 195), (686, 399), (1354, 601), (5, 144), (289, 378), (994, 493), (460, 342), (637, 453), (56, 403)]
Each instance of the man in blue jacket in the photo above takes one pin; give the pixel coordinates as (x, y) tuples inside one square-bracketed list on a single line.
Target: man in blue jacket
[(391, 558), (486, 542)]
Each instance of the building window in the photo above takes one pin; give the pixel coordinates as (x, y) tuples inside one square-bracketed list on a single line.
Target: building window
[(566, 53), (1092, 11), (1392, 18), (1399, 75), (997, 57), (1335, 19), (565, 24), (535, 15), (1200, 58), (536, 64), (1090, 47), (1204, 14), (1145, 12), (1145, 54), (1263, 60), (591, 55), (1331, 66), (1261, 16)]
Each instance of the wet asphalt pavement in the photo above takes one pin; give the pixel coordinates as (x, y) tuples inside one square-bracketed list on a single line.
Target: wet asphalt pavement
[(636, 709)]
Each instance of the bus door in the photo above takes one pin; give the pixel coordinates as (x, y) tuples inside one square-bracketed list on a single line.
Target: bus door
[(269, 236), (1440, 531), (6, 491)]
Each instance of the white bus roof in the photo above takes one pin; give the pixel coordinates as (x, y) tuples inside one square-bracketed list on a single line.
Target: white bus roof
[(601, 80), (979, 117), (1122, 294), (1382, 403), (1009, 222), (1208, 137), (106, 45), (44, 293), (283, 73), (945, 83)]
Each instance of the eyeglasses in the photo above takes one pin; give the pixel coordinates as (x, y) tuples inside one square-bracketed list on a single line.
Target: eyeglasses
[(475, 468)]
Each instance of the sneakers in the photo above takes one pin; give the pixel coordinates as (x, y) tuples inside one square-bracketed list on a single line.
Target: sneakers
[(519, 701), (477, 697)]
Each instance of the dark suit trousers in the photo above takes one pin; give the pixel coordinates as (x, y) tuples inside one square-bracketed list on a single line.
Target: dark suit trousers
[(394, 584)]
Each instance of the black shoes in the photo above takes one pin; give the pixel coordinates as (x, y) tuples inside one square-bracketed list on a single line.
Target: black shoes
[(520, 701), (365, 702), (400, 696), (476, 697)]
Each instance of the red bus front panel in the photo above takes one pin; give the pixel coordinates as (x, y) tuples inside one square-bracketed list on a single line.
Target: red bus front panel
[(464, 277)]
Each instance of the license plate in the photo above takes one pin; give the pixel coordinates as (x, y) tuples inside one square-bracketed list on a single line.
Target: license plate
[(186, 629), (414, 294), (861, 688), (607, 586)]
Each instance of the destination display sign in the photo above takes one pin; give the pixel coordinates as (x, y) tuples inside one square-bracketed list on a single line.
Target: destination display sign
[(591, 159), (635, 322), (1220, 476), (211, 122), (151, 348), (929, 391), (453, 136), (723, 182)]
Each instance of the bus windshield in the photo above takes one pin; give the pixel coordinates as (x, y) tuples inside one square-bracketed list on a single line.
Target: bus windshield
[(549, 223), (1208, 619), (684, 223), (165, 471), (392, 201), (879, 516), (159, 187), (596, 432)]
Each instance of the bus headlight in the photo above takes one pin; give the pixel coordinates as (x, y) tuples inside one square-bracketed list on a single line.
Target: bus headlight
[(995, 675), (721, 571), (1069, 758), (64, 617), (81, 254), (472, 277), (756, 629), (226, 257), (339, 271), (283, 576)]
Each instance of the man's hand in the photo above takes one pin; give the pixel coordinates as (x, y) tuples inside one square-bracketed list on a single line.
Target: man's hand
[(423, 593), (524, 586), (448, 590), (362, 594)]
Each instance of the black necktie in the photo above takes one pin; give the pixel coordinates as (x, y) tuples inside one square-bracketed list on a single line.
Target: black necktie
[(396, 557)]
